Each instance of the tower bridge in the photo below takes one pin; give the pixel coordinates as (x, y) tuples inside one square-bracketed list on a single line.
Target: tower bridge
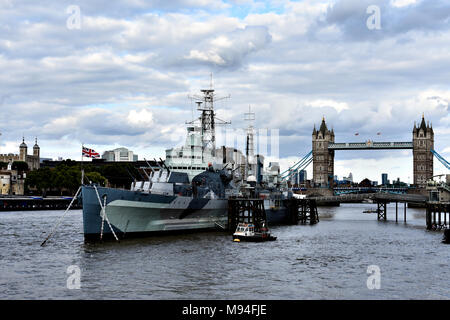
[(324, 147), (369, 145)]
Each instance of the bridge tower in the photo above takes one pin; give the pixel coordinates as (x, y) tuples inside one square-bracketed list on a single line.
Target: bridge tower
[(323, 159), (423, 142)]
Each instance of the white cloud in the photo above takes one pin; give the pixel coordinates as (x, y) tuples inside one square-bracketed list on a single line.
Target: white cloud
[(338, 106), (402, 3), (140, 118), (124, 77), (209, 56)]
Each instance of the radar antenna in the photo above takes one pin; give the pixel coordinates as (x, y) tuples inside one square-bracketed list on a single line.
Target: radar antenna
[(208, 119)]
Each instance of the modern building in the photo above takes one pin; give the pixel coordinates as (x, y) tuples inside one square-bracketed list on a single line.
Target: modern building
[(295, 178), (384, 179), (439, 191), (119, 154), (349, 178), (303, 176)]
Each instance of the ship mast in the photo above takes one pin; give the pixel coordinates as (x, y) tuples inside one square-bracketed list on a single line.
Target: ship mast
[(208, 119), (250, 154)]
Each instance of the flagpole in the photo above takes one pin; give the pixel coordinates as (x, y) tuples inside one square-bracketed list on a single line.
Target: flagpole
[(82, 172)]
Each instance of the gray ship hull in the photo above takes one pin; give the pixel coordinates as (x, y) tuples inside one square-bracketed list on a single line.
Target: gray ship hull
[(134, 213)]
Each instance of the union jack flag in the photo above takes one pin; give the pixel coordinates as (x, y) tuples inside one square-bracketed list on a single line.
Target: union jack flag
[(90, 153)]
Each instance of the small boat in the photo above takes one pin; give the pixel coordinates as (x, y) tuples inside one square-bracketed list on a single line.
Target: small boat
[(370, 211), (249, 232)]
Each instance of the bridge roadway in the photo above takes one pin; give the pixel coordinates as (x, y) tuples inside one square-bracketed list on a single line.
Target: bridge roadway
[(370, 145), (376, 197)]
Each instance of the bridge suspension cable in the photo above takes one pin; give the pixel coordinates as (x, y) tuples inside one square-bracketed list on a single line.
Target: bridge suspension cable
[(305, 158), (297, 170), (307, 163), (301, 165), (296, 167), (441, 159)]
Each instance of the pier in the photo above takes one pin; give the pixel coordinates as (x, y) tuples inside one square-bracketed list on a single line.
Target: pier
[(245, 210), (381, 199), (438, 216), (37, 203), (302, 210)]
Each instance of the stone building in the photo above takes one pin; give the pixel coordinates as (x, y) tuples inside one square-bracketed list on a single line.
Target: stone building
[(12, 182), (323, 165), (423, 142), (33, 160)]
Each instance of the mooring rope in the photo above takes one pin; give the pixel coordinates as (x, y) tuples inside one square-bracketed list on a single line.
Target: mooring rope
[(104, 212), (103, 217), (60, 219)]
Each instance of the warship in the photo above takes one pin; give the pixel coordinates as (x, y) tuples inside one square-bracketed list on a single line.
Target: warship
[(188, 191)]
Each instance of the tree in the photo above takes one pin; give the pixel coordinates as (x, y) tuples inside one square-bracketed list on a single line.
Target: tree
[(119, 175), (20, 166), (96, 177)]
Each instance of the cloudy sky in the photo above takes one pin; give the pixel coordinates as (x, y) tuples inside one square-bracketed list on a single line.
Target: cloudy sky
[(122, 73)]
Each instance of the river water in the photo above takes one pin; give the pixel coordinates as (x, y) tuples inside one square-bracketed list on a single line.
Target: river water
[(325, 261)]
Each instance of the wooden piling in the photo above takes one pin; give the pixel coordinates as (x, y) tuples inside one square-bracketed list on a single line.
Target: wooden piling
[(404, 212), (243, 210), (302, 210), (396, 211), (381, 210), (434, 214)]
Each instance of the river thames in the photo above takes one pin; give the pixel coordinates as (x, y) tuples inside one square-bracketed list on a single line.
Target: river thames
[(329, 260)]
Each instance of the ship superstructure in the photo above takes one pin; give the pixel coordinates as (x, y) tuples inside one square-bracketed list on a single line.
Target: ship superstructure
[(200, 149)]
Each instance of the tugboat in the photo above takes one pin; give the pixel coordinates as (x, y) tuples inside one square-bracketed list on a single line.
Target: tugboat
[(251, 233)]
